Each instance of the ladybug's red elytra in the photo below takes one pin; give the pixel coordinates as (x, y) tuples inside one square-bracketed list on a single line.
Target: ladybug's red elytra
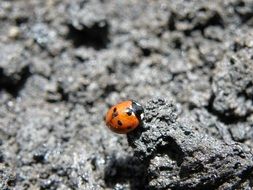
[(124, 116)]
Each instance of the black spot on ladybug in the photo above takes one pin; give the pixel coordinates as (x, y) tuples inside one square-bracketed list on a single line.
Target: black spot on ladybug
[(129, 112), (119, 123), (129, 127), (114, 109), (115, 114)]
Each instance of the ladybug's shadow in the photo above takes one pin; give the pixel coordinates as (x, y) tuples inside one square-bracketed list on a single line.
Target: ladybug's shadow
[(125, 170)]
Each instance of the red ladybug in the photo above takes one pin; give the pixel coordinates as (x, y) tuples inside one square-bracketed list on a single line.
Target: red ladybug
[(124, 117)]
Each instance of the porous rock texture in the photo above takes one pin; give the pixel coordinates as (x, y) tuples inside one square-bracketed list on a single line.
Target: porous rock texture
[(64, 63), (178, 154)]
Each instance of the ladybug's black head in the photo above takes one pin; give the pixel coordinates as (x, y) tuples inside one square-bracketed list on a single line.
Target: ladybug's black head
[(138, 109)]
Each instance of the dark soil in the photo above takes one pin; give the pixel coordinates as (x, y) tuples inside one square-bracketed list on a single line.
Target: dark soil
[(64, 63)]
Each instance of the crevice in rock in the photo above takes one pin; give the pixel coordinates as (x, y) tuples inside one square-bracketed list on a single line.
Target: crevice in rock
[(171, 22), (214, 20), (64, 95), (96, 36), (12, 85), (226, 117), (172, 149), (124, 170)]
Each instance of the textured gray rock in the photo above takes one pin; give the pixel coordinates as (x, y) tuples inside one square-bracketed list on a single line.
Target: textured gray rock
[(180, 155), (233, 84)]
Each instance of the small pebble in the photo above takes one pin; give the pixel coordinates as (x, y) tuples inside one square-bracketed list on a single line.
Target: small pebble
[(14, 32)]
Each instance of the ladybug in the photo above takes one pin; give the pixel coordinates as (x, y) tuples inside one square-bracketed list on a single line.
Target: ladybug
[(124, 117)]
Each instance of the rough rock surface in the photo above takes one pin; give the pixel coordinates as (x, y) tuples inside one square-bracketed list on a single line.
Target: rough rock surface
[(63, 63), (180, 155)]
